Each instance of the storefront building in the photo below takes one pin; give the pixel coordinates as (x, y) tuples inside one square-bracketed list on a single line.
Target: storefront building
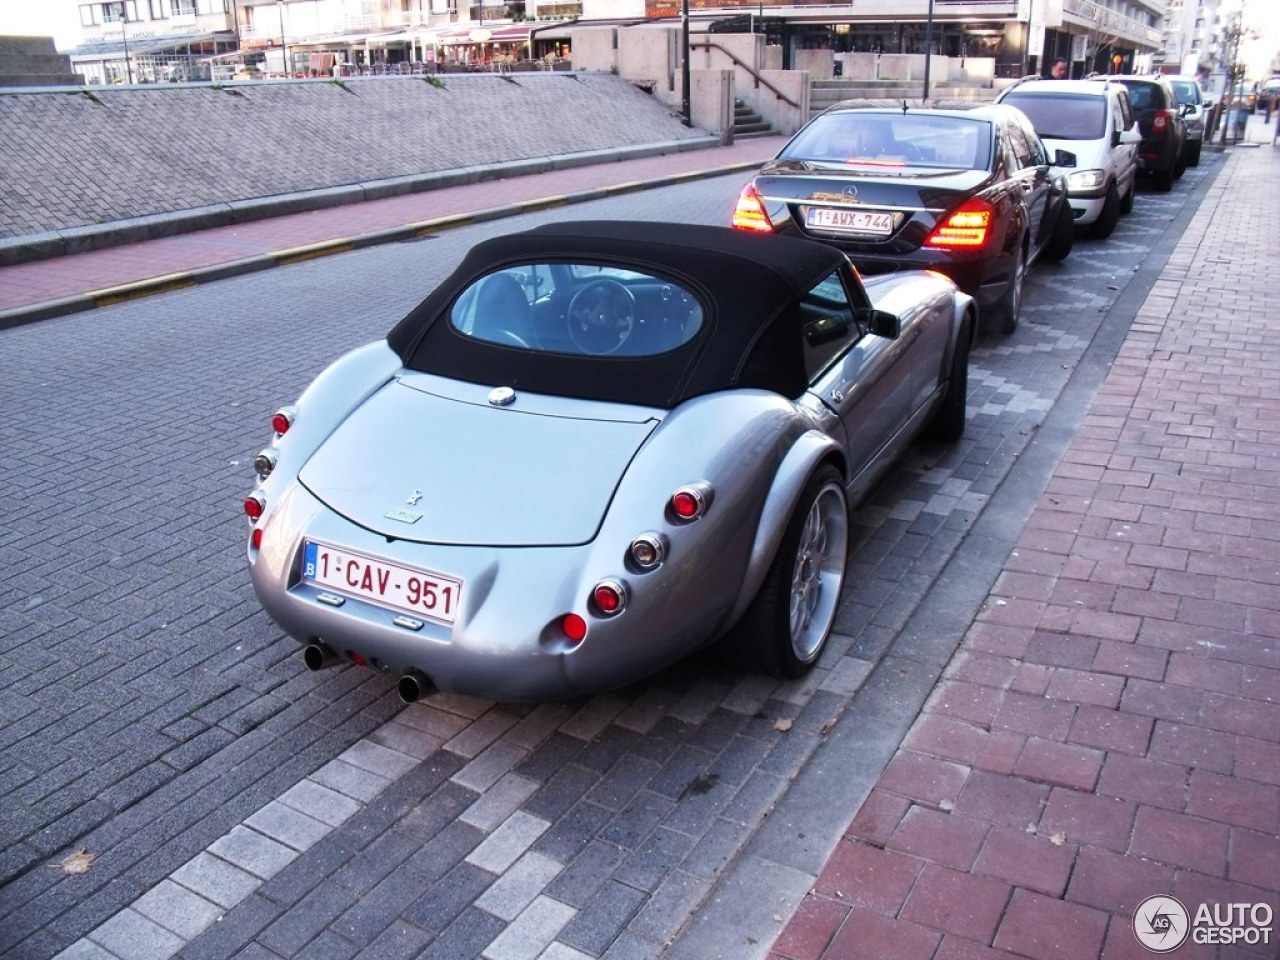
[(158, 40)]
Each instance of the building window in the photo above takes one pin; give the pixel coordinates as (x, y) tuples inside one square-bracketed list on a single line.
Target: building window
[(159, 9), (183, 8), (126, 10)]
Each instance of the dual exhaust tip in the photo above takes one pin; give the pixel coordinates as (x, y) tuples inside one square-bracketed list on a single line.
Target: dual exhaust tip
[(412, 687)]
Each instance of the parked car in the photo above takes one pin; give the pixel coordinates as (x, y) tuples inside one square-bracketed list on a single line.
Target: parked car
[(595, 448), (1269, 94), (1243, 96), (1190, 97), (1164, 131), (971, 193), (1093, 120)]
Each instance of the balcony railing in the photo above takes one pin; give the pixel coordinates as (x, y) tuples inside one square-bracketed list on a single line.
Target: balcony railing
[(1107, 21)]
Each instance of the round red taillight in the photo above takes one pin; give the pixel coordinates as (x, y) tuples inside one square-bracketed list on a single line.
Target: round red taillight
[(609, 597), (574, 627), (686, 505), (255, 538), (254, 505), (282, 420)]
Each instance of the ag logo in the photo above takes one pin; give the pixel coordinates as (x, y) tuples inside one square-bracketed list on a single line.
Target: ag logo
[(1161, 924)]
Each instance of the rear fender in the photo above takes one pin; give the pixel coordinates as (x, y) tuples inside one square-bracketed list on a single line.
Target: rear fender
[(809, 450), (340, 388)]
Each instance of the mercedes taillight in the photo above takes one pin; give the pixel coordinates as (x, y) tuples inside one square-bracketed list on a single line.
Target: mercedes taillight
[(967, 227)]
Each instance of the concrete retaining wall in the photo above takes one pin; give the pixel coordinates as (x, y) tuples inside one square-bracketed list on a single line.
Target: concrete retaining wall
[(88, 156)]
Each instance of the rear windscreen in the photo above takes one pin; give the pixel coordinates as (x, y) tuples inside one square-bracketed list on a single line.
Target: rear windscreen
[(1187, 91), (858, 139), (580, 309), (1063, 116)]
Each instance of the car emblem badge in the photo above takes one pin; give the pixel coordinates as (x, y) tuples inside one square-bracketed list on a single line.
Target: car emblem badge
[(849, 195), (502, 396), (414, 498)]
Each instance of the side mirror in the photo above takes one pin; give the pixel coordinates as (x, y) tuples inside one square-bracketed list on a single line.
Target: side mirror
[(1064, 158), (1132, 135), (880, 322)]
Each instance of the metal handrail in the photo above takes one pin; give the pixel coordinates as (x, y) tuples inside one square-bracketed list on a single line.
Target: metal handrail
[(707, 44)]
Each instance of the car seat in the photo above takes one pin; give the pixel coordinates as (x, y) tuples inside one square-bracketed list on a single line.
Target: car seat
[(502, 311)]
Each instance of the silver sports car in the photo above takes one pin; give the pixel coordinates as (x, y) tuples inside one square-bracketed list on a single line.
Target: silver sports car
[(595, 448)]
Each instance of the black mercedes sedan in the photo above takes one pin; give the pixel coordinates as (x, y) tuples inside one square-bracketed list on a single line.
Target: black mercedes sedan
[(973, 194)]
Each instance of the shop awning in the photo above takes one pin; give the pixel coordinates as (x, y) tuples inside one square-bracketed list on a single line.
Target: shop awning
[(342, 40), (497, 34), (141, 47)]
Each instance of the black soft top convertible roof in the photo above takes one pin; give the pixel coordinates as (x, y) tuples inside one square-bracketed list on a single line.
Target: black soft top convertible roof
[(749, 286)]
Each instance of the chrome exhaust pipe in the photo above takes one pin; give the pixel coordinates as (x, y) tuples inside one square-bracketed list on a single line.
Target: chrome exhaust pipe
[(318, 656), (414, 685)]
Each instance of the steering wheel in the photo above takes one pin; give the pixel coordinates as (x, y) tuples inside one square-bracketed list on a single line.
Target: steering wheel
[(507, 337), (601, 316)]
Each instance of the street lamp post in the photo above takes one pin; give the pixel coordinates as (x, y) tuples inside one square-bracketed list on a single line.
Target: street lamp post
[(124, 35), (1026, 43), (928, 47), (686, 110), (284, 48)]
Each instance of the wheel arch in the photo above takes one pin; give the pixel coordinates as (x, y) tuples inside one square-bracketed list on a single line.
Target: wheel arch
[(811, 451)]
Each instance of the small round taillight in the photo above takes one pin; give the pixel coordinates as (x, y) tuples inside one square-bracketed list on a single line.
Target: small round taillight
[(574, 627), (255, 504), (255, 538), (264, 463), (609, 597), (647, 551), (690, 502), (283, 420)]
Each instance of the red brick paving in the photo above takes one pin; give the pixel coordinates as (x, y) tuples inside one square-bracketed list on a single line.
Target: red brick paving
[(25, 284), (1110, 727)]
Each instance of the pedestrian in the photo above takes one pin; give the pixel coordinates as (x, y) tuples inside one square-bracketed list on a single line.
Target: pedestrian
[(1059, 70)]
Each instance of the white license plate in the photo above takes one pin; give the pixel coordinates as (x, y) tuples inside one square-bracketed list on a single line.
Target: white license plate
[(389, 584), (853, 221)]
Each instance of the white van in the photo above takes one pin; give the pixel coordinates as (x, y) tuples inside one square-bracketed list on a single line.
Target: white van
[(1093, 120)]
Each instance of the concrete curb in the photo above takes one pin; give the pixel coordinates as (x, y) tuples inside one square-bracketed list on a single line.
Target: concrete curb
[(55, 243), (108, 296)]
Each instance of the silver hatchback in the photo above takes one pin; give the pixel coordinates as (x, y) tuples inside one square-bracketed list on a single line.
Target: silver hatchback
[(1191, 99)]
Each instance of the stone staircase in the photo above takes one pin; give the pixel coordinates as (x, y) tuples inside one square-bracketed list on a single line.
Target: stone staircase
[(826, 93), (34, 62), (747, 123)]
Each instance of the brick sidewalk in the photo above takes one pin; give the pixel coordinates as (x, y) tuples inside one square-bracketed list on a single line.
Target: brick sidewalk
[(1110, 728)]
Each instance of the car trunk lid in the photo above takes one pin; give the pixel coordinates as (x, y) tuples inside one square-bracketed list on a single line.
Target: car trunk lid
[(418, 465), (867, 208)]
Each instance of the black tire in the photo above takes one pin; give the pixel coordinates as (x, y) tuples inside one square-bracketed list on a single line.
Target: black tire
[(1010, 304), (1106, 222), (1193, 157), (1164, 180), (1180, 165), (1126, 202), (1064, 236), (949, 422), (766, 638)]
